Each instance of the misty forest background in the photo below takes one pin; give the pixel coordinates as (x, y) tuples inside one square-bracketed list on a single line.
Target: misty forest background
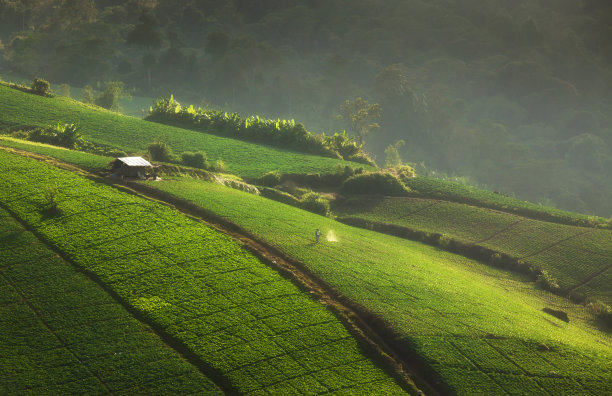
[(509, 94)]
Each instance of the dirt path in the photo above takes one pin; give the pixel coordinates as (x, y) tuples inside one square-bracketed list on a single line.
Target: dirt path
[(379, 341)]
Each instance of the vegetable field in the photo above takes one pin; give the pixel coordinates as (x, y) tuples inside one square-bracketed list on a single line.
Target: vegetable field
[(62, 334), (132, 135), (450, 191), (481, 330), (84, 160), (572, 255), (255, 330)]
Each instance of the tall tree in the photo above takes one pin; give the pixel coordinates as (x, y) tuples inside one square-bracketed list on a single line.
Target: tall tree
[(360, 117)]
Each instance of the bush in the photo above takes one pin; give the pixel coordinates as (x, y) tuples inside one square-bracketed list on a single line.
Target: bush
[(313, 202), (40, 86), (66, 135), (219, 166), (375, 183), (195, 159), (547, 281), (270, 179), (557, 314), (160, 151)]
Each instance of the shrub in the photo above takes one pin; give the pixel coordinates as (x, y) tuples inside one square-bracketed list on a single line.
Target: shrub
[(219, 166), (160, 151), (50, 204), (313, 202), (195, 159), (270, 179), (66, 135), (375, 183), (40, 86), (547, 281)]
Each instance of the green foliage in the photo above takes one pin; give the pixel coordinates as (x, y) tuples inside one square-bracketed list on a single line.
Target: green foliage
[(281, 133), (40, 86), (379, 183), (109, 98), (392, 277), (314, 202), (44, 297), (132, 135), (270, 179), (66, 135), (173, 271), (161, 151), (195, 159), (393, 159), (88, 95), (360, 117)]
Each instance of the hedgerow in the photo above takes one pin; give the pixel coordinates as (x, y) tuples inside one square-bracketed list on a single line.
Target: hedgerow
[(281, 133)]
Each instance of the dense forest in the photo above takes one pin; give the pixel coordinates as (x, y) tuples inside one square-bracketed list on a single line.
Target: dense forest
[(513, 95)]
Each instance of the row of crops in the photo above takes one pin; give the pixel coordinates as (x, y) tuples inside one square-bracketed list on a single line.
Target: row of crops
[(450, 191), (574, 256), (480, 330), (255, 331), (133, 135), (62, 334)]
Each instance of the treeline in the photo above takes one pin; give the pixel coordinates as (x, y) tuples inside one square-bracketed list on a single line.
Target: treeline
[(281, 133)]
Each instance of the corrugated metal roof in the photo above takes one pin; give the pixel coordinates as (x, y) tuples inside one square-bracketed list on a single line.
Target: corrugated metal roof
[(134, 161)]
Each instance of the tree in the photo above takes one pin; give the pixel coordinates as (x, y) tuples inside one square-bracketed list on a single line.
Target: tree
[(88, 96), (109, 99), (360, 117), (392, 153), (40, 86), (145, 33)]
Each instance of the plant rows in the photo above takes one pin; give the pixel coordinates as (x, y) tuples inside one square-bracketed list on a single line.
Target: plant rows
[(451, 191), (133, 135), (238, 316), (463, 318), (572, 255), (62, 334)]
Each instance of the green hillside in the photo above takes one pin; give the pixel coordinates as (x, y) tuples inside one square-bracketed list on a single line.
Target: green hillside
[(576, 257), (23, 111), (481, 330), (254, 331), (63, 334)]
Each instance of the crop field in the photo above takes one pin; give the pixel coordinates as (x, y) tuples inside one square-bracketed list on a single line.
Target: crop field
[(236, 315), (571, 254), (84, 160), (482, 330), (62, 334), (451, 191), (133, 135)]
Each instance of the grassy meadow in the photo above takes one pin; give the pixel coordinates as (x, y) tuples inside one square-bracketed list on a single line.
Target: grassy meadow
[(133, 135), (576, 257), (480, 329), (255, 330), (61, 333)]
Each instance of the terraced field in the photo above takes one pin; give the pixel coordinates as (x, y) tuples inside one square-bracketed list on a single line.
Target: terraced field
[(572, 255), (243, 322), (132, 135), (428, 187), (62, 334), (480, 330), (84, 160)]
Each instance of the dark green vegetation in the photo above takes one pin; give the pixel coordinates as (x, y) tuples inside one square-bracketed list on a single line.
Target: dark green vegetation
[(133, 135), (251, 328), (512, 94), (62, 334), (479, 329), (579, 259)]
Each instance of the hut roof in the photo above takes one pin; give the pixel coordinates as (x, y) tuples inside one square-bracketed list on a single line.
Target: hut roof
[(134, 161)]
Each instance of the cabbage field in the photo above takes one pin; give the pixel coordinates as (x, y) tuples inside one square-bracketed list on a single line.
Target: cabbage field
[(249, 329)]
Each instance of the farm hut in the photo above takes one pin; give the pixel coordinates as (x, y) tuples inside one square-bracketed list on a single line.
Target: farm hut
[(132, 167)]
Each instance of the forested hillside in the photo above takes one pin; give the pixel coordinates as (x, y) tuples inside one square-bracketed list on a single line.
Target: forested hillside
[(511, 94)]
